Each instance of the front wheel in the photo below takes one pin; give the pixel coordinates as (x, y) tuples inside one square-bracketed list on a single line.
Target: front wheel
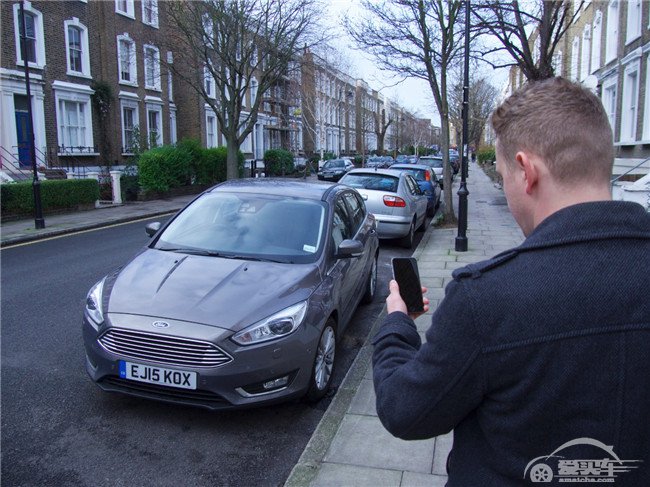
[(323, 370)]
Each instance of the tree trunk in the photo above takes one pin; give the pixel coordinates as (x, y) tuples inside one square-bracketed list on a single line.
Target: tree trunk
[(448, 215), (232, 171)]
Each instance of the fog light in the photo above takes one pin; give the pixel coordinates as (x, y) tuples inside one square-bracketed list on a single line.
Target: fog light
[(274, 384)]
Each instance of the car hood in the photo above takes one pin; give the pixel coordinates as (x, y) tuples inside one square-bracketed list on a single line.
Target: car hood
[(227, 293)]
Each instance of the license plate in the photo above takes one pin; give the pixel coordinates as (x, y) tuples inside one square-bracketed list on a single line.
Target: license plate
[(157, 375)]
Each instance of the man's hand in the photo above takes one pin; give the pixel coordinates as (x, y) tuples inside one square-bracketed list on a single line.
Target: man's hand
[(394, 301)]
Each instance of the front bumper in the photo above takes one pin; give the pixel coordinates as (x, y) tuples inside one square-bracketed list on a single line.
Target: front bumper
[(236, 384)]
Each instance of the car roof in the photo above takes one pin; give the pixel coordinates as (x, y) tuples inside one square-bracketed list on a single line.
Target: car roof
[(384, 172), (279, 187), (411, 166)]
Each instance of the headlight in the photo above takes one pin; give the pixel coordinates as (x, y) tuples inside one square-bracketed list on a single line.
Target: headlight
[(94, 302), (278, 325)]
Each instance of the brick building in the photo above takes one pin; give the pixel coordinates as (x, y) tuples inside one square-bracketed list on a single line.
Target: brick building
[(101, 87)]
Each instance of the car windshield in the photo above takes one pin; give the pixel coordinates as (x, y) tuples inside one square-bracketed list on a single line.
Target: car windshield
[(248, 226), (333, 164), (379, 182), (418, 174), (431, 161)]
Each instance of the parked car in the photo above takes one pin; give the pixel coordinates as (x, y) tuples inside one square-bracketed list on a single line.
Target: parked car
[(435, 163), (428, 182), (454, 160), (335, 169), (396, 200), (376, 162), (239, 300)]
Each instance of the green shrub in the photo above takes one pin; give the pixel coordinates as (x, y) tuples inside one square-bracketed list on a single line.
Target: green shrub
[(197, 162), (130, 187), (486, 154), (214, 169), (164, 167), (278, 162), (55, 195), (358, 161)]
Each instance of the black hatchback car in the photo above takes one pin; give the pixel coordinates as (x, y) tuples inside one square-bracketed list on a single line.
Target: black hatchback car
[(238, 300)]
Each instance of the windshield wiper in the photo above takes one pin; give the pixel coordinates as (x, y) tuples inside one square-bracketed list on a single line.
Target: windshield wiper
[(209, 253), (182, 250)]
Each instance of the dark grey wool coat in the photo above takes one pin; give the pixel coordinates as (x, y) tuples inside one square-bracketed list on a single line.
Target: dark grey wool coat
[(542, 344)]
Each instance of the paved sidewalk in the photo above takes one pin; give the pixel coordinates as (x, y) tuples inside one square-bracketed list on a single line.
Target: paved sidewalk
[(21, 231), (350, 447)]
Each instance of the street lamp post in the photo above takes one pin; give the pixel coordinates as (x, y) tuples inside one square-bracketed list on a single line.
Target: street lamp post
[(39, 222), (461, 239)]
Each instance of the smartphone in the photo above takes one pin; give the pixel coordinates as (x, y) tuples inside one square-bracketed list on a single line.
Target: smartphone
[(405, 272)]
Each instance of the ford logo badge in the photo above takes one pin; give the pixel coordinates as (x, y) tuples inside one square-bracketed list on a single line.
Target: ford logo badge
[(160, 324)]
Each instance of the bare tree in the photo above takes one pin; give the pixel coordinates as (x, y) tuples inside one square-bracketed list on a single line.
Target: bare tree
[(415, 38), (482, 99), (381, 126), (226, 49), (515, 25)]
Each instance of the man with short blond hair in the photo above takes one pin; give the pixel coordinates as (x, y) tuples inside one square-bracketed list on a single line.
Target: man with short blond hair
[(548, 342)]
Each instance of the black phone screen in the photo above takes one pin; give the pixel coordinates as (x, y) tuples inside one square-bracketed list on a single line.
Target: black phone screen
[(405, 272)]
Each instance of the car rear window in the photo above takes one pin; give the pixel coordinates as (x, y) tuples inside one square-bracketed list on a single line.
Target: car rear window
[(378, 182)]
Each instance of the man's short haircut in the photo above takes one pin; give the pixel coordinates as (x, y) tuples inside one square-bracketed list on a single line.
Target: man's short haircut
[(561, 122)]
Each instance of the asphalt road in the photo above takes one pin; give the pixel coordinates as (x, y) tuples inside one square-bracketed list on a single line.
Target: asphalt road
[(59, 429)]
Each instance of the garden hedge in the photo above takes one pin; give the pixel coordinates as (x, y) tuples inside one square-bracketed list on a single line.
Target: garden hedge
[(58, 194), (278, 162), (163, 168)]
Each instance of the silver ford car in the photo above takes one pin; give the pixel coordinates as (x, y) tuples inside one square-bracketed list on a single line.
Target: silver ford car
[(238, 300), (396, 200)]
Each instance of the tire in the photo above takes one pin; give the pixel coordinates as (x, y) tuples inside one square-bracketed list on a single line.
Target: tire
[(407, 240), (324, 360), (371, 285), (431, 210), (423, 225)]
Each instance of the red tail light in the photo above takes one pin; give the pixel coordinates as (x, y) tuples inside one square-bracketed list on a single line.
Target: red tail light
[(394, 201), (427, 176)]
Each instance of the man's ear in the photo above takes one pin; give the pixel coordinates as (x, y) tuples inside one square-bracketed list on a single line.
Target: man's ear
[(529, 171)]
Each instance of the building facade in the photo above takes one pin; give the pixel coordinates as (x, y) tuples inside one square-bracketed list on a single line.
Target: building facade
[(102, 88)]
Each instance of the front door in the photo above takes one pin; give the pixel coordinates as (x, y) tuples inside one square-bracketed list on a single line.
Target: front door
[(23, 132)]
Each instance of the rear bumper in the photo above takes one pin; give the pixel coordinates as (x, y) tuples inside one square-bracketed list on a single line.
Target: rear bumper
[(392, 226)]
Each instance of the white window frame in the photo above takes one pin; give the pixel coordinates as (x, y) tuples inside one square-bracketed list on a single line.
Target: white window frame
[(85, 55), (132, 103), (575, 57), (611, 32), (596, 41), (75, 93), (211, 88), (609, 100), (153, 8), (634, 13), (630, 102), (130, 8), (557, 63), (585, 54), (173, 127), (154, 108), (133, 64), (211, 139), (646, 108), (38, 32), (155, 68)]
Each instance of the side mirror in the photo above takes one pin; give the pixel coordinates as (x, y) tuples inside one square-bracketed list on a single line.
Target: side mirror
[(152, 228), (349, 248)]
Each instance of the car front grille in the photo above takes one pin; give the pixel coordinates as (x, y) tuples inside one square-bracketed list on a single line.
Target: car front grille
[(206, 399), (163, 349)]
